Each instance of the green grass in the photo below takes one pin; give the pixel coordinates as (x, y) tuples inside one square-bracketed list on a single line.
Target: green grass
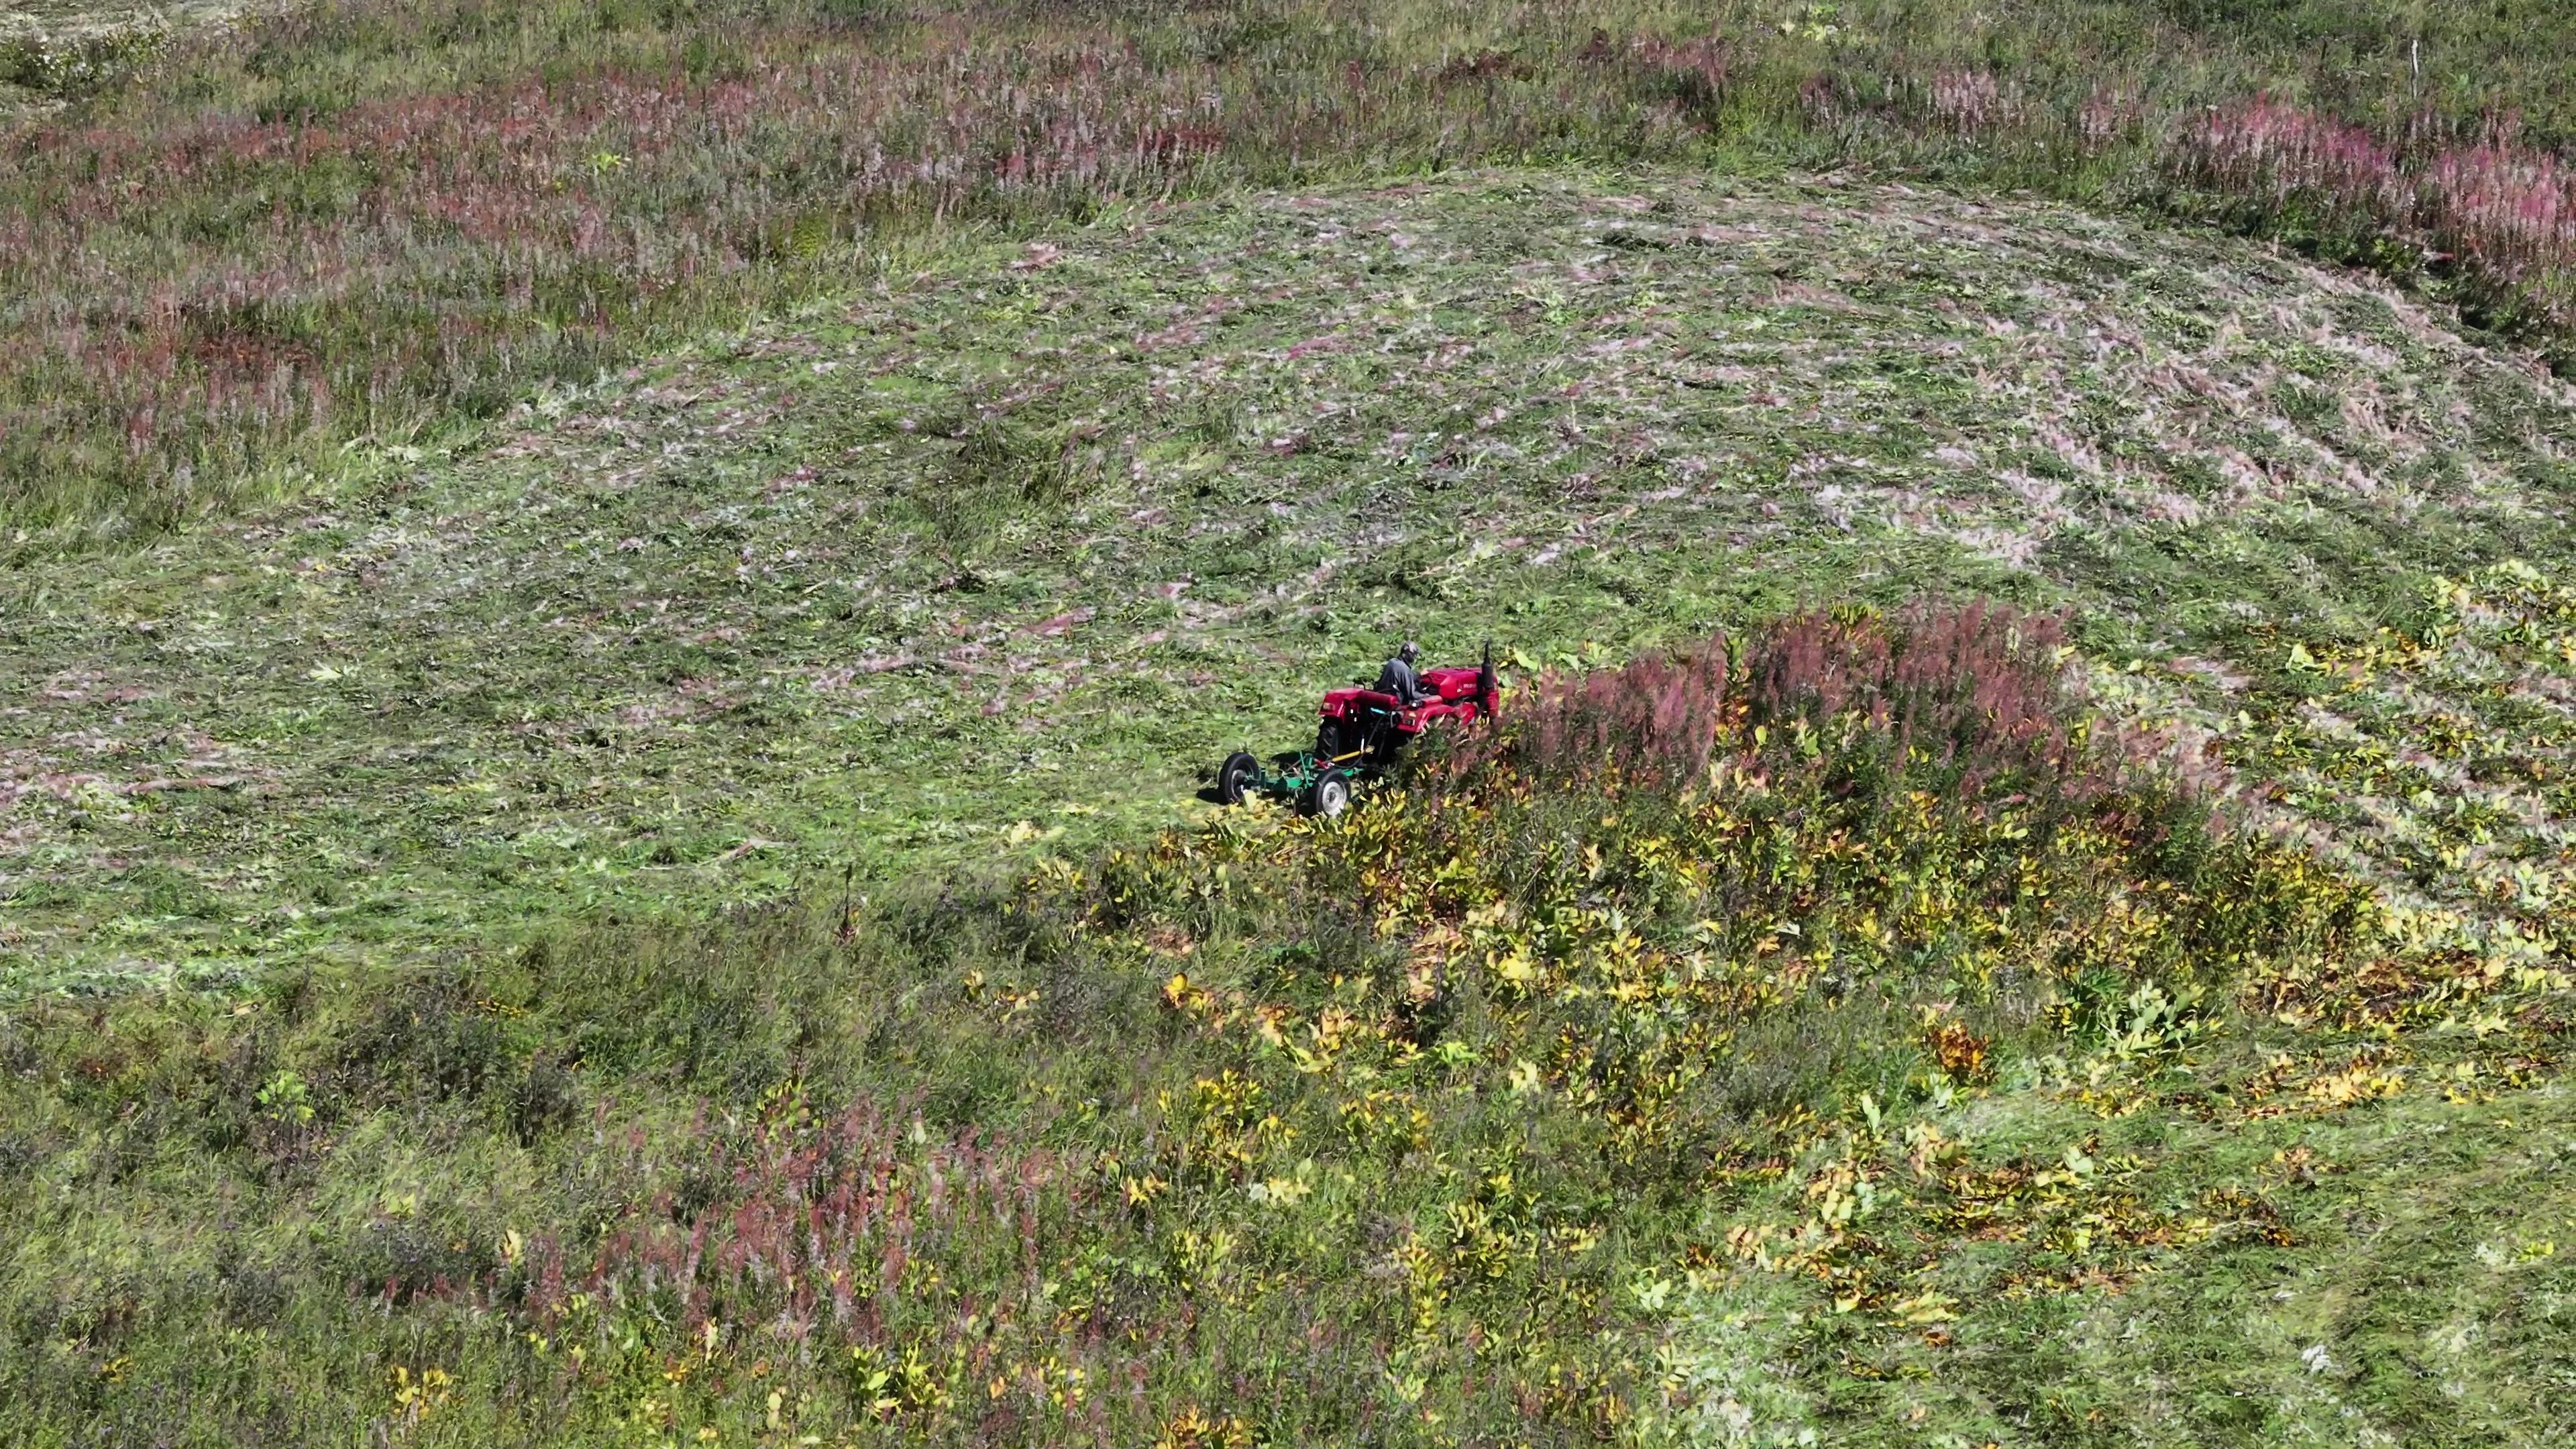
[(531, 775), (2417, 1292), (582, 795), (1836, 1089), (235, 256), (1016, 543)]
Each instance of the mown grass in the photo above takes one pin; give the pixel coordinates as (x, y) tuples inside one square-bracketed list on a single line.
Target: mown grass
[(1011, 550), (1832, 1034), (269, 241), (434, 1003)]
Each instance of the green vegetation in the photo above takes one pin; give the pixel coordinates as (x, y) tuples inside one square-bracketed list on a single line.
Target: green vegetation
[(237, 257), (1018, 543), (2133, 1106), (609, 855), (1828, 1035)]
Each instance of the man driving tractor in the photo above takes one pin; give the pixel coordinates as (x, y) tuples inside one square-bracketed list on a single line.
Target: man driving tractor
[(1398, 678), (1359, 731)]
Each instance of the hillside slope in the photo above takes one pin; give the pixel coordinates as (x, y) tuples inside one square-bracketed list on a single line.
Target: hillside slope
[(1823, 1036), (234, 249), (1016, 544), (1890, 1049)]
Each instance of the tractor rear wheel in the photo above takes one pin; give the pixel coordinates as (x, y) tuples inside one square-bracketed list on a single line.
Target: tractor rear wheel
[(1328, 739), (1330, 795), (1234, 776)]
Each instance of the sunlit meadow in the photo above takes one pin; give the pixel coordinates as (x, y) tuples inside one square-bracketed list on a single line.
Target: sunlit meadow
[(1736, 1046), (615, 608), (244, 258)]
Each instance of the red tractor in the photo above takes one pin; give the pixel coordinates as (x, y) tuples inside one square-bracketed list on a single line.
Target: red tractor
[(1359, 735)]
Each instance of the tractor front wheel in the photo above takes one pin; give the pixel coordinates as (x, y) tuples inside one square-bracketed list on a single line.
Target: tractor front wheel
[(1234, 776), (1330, 795)]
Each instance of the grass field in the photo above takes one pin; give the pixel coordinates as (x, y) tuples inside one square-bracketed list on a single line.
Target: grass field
[(614, 616), (1924, 1075), (1015, 546), (980, 568), (235, 253)]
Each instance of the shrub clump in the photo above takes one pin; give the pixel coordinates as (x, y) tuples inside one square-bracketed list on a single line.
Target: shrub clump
[(1971, 694)]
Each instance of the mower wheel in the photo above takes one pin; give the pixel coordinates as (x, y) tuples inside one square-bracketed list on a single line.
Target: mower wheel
[(1330, 795), (1232, 777)]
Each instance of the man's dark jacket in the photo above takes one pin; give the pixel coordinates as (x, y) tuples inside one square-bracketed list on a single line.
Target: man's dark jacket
[(1398, 679)]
